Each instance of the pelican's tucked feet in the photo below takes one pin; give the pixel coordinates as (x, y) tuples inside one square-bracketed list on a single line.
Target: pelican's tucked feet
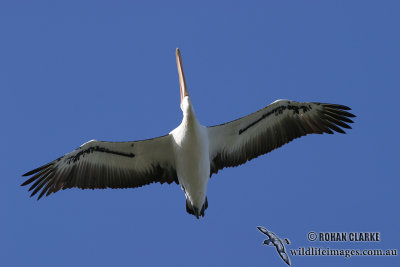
[(194, 210)]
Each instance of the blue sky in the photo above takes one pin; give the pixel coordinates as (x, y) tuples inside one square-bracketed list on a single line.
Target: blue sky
[(106, 70)]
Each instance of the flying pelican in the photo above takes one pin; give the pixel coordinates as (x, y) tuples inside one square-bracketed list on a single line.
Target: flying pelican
[(190, 153)]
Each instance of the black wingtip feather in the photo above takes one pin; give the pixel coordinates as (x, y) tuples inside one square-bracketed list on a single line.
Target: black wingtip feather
[(335, 116), (38, 181), (41, 194), (335, 106), (30, 180), (341, 112), (37, 170), (334, 127)]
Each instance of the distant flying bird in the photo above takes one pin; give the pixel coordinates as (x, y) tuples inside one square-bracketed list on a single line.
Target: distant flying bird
[(189, 154), (274, 240)]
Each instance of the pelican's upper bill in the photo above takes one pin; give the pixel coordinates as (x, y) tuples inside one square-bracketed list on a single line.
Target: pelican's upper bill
[(182, 81)]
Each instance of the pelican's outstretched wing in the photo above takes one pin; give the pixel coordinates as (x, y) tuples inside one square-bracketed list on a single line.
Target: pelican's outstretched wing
[(235, 142), (98, 164)]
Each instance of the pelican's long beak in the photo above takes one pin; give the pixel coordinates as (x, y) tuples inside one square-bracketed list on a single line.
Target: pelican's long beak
[(182, 82)]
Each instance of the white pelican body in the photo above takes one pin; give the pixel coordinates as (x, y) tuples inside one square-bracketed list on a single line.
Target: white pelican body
[(189, 154), (192, 158)]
